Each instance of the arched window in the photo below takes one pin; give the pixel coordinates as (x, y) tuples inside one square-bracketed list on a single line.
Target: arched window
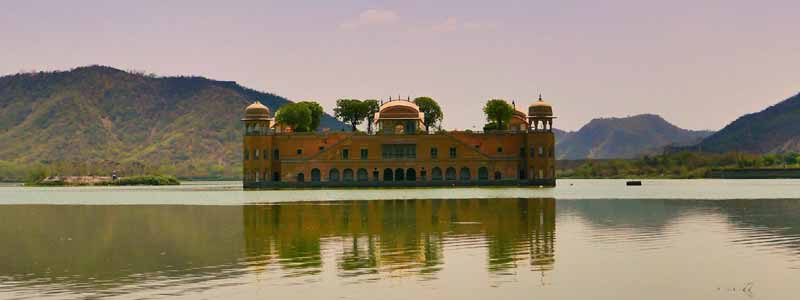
[(333, 175), (315, 175), (450, 173), (436, 174), (498, 175), (348, 174), (276, 155), (483, 173), (301, 177), (399, 175), (411, 174), (362, 174), (388, 175), (464, 174), (541, 173)]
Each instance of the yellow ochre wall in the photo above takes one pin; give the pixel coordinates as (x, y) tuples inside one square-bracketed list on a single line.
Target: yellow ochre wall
[(474, 150)]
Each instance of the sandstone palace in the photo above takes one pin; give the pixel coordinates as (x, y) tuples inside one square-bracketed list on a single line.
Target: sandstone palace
[(399, 153)]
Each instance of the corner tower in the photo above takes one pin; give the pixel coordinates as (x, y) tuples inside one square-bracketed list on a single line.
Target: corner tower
[(540, 143), (256, 143)]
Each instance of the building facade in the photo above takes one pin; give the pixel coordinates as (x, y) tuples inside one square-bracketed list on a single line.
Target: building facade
[(399, 153)]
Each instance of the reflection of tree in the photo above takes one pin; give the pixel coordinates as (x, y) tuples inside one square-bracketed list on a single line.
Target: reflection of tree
[(401, 236)]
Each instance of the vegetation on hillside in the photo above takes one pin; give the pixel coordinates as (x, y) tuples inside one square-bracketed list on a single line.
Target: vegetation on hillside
[(676, 165), (629, 137), (775, 129), (96, 120)]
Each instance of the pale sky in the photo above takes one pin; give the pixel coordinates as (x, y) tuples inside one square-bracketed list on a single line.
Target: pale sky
[(699, 64)]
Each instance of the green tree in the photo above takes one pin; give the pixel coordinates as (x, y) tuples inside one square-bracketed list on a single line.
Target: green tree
[(372, 107), (433, 113), (498, 111), (295, 115), (316, 113), (351, 111)]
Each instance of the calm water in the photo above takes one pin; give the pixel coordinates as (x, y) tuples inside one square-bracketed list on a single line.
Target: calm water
[(586, 239)]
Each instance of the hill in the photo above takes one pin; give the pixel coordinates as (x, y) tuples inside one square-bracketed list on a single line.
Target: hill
[(623, 138), (773, 130), (103, 118)]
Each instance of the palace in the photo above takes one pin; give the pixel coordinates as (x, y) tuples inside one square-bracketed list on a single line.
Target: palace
[(399, 153)]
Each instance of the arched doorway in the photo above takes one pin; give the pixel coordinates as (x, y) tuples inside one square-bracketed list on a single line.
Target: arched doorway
[(411, 174), (399, 175), (464, 174), (450, 173), (301, 177), (436, 174), (483, 173), (315, 175), (361, 174), (333, 175), (347, 174), (388, 175), (498, 175)]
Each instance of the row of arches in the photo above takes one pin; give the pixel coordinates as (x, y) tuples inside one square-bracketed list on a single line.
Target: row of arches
[(400, 174)]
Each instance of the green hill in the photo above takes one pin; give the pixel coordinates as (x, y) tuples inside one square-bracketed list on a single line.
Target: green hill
[(97, 119), (628, 137), (775, 129)]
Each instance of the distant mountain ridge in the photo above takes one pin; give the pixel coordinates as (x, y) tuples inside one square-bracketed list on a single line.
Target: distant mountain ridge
[(629, 137), (97, 113), (774, 129)]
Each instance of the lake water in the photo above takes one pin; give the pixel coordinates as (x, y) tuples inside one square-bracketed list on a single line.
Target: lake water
[(585, 239)]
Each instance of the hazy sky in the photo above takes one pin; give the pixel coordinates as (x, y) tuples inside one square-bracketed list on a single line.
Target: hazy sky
[(700, 64)]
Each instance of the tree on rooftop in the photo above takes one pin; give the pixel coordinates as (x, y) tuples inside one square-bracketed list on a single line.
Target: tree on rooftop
[(433, 113), (351, 111), (295, 115), (316, 113), (498, 111), (372, 108)]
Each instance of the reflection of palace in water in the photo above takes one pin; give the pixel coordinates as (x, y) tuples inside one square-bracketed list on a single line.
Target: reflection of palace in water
[(401, 236)]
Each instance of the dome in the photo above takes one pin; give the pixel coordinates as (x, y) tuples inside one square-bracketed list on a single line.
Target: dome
[(256, 111), (540, 109), (399, 105), (399, 109)]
